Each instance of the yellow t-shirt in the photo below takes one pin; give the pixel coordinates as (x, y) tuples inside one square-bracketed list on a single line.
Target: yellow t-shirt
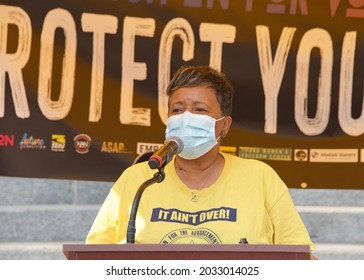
[(249, 200)]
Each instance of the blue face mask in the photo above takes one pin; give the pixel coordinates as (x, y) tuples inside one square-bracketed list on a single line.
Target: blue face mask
[(196, 131)]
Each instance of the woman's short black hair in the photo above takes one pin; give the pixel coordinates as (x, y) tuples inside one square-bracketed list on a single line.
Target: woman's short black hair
[(193, 76)]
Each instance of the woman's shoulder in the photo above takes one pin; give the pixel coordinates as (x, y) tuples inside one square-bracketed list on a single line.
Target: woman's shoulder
[(135, 171), (139, 168), (253, 163)]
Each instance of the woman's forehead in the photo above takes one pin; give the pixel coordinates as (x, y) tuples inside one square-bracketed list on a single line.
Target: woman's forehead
[(200, 94)]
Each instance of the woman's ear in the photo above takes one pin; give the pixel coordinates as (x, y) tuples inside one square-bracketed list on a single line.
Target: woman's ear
[(226, 126)]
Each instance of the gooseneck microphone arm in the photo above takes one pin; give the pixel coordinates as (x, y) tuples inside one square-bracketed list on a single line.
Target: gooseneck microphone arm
[(157, 178), (172, 146)]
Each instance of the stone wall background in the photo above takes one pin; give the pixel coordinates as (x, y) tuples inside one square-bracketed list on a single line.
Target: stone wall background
[(38, 216)]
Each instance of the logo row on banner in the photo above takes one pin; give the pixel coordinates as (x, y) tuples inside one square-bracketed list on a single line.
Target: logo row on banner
[(82, 144)]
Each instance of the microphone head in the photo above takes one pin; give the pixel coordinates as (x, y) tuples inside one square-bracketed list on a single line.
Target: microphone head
[(178, 141)]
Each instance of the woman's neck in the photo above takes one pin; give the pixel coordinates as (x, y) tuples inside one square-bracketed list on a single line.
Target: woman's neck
[(200, 173)]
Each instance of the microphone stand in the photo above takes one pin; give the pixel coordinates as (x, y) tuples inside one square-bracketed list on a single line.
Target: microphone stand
[(157, 178)]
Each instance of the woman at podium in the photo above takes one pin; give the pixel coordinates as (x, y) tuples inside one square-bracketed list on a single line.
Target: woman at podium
[(206, 196)]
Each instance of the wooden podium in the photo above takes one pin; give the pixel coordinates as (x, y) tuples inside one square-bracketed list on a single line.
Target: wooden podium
[(186, 252)]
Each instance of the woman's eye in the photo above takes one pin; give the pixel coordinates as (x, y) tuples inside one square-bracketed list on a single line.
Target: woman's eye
[(177, 110), (200, 110)]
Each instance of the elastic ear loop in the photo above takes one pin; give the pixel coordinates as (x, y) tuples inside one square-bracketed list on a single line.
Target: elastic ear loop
[(222, 133)]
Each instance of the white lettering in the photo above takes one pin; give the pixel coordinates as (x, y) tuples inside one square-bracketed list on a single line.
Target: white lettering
[(272, 71), (272, 67), (132, 70), (217, 34), (56, 110), (99, 25), (14, 62), (349, 125), (177, 27), (321, 39)]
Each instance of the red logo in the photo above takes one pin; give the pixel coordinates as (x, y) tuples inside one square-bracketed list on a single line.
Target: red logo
[(6, 140), (82, 143)]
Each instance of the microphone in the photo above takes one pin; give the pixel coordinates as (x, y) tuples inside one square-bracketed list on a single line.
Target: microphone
[(172, 146)]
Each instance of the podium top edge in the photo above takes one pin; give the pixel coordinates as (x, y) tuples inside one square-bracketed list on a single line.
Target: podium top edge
[(187, 247)]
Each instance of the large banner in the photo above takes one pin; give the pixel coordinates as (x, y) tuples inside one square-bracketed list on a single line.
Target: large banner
[(82, 83)]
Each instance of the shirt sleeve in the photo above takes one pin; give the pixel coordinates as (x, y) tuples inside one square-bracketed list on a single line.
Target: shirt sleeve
[(104, 227), (288, 227), (110, 224)]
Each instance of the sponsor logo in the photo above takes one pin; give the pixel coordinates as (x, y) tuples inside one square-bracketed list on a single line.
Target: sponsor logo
[(113, 147), (283, 154), (31, 142), (229, 150), (58, 143), (147, 147), (82, 143), (334, 155), (301, 155), (6, 140)]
